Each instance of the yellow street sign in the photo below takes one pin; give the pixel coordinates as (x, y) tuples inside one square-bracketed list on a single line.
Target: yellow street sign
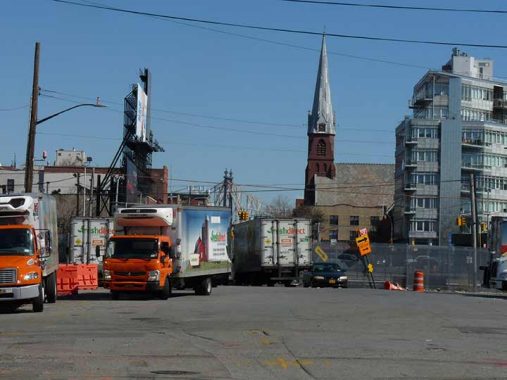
[(363, 243), (323, 255)]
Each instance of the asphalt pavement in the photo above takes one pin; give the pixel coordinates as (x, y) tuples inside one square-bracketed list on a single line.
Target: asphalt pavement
[(259, 333)]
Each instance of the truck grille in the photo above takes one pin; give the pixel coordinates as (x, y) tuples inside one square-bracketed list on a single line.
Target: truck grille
[(128, 274), (7, 276)]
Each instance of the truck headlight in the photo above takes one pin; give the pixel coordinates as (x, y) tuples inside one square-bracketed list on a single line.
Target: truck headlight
[(31, 276), (318, 277), (106, 274), (154, 275)]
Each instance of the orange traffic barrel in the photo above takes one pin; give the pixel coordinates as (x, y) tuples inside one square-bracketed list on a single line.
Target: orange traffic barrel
[(418, 281)]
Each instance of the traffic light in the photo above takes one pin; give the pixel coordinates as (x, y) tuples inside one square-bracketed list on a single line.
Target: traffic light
[(243, 215), (484, 227), (461, 221)]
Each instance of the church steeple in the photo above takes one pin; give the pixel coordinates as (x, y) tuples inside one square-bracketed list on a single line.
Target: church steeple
[(322, 118), (321, 131)]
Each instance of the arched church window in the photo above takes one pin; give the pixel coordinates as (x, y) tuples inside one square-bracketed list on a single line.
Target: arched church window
[(321, 148), (322, 127)]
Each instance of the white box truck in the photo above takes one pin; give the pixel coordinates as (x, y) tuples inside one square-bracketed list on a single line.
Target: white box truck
[(267, 251), (28, 250), (155, 248)]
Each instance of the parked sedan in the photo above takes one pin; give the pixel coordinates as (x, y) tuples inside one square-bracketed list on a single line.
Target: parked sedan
[(325, 274)]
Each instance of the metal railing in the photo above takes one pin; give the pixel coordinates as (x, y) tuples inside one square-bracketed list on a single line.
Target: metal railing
[(444, 268)]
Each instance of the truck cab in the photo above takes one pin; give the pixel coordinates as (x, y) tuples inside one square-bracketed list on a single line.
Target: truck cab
[(139, 257), (495, 273)]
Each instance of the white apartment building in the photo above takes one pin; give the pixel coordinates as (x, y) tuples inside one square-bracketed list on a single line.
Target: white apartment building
[(458, 128)]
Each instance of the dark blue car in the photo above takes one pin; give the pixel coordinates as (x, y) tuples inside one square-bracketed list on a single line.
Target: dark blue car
[(324, 275)]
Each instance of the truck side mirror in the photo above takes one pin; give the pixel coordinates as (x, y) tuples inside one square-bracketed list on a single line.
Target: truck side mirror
[(97, 251)]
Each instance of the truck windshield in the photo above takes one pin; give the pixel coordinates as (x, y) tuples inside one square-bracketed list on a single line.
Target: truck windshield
[(16, 241), (134, 248)]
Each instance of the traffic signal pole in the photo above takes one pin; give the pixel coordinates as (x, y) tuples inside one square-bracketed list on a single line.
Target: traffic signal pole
[(474, 228)]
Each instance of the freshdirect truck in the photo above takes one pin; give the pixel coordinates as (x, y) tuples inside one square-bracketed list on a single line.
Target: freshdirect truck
[(157, 248)]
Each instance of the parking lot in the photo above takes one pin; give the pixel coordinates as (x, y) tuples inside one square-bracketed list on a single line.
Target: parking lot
[(259, 333)]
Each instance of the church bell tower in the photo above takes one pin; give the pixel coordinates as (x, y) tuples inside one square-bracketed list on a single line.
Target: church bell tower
[(321, 131)]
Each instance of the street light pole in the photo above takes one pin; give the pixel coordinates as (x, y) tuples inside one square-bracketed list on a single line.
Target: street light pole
[(33, 123), (31, 140)]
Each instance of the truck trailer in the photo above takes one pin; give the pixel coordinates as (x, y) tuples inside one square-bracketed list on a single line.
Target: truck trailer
[(267, 251), (156, 248), (86, 234), (28, 250)]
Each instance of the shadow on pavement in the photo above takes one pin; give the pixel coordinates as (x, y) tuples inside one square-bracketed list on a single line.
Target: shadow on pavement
[(106, 296)]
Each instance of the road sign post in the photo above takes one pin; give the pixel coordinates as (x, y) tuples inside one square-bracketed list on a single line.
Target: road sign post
[(363, 244)]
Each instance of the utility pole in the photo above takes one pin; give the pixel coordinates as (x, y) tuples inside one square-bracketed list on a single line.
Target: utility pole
[(30, 147), (227, 188), (474, 228)]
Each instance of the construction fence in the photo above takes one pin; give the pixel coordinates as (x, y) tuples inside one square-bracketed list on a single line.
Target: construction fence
[(444, 268)]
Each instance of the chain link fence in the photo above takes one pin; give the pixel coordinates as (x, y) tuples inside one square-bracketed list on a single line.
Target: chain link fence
[(444, 268)]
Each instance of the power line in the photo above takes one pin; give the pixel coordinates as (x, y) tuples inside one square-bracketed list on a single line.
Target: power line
[(211, 117), (13, 108), (281, 30), (410, 8), (181, 122)]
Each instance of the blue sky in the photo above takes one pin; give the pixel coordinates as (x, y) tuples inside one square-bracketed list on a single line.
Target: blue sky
[(226, 97)]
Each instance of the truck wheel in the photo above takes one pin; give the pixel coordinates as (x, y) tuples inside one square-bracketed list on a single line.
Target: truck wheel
[(38, 302), (204, 288), (166, 291), (51, 292), (115, 295)]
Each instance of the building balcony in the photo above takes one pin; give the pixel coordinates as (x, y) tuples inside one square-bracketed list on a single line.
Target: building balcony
[(410, 186), (469, 143), (420, 102), (411, 141), (474, 167), (422, 234), (500, 103), (409, 210), (410, 164)]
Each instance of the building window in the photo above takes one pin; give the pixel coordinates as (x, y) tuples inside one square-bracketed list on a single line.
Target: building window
[(321, 148), (423, 226), (321, 127), (333, 220), (10, 185), (354, 220), (333, 235)]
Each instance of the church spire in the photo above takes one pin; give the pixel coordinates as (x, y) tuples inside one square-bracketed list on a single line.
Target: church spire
[(322, 118)]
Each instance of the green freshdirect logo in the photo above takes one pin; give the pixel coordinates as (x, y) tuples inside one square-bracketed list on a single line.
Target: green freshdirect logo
[(218, 236), (288, 231)]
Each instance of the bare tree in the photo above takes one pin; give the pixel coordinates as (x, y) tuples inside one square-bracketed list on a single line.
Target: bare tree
[(315, 214), (280, 207)]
